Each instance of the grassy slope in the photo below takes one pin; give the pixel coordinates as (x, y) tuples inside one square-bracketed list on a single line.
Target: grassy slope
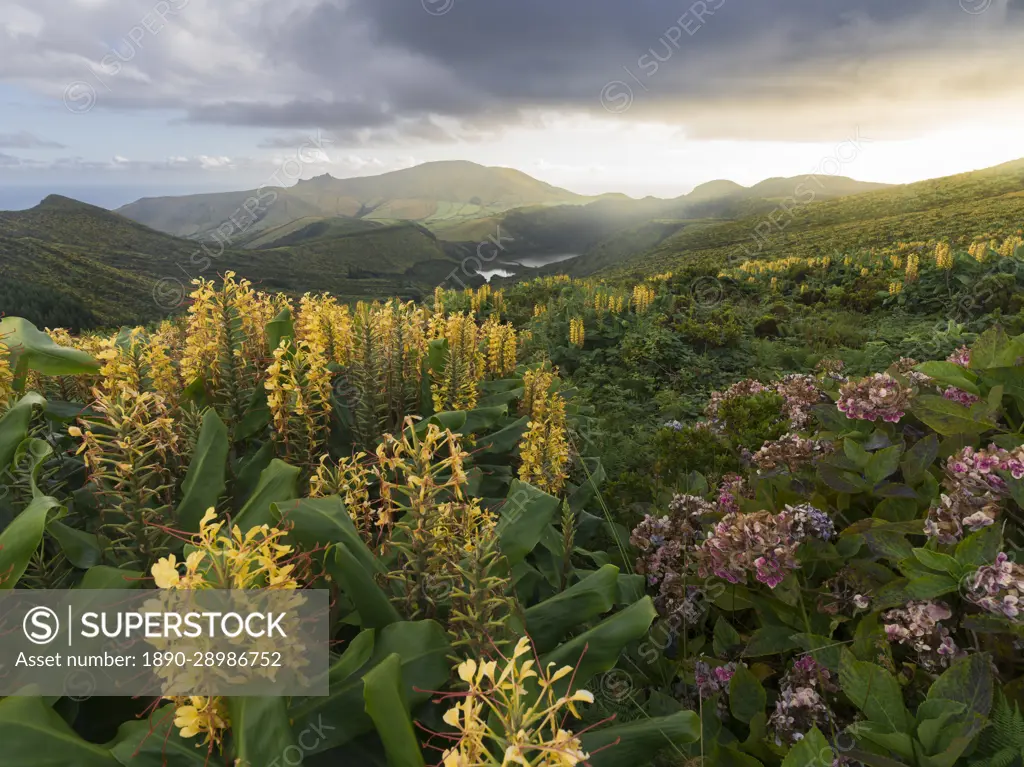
[(86, 255), (956, 206)]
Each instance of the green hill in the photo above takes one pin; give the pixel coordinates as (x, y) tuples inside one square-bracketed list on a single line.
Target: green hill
[(79, 265), (432, 193), (954, 207)]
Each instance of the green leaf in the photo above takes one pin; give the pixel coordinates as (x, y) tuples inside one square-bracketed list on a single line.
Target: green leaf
[(389, 710), (882, 735), (824, 650), (839, 480), (82, 549), (968, 680), (525, 514), (504, 440), (856, 453), (204, 481), (726, 638), (933, 560), (106, 577), (812, 750), (948, 417), (933, 717), (36, 349), (278, 482), (770, 640), (637, 743), (261, 732), (951, 374), (279, 328), (14, 426), (603, 643), (156, 743), (423, 648), (980, 548), (931, 586), (325, 523), (34, 735), (883, 463), (919, 458), (874, 691), (550, 620), (747, 697), (22, 537)]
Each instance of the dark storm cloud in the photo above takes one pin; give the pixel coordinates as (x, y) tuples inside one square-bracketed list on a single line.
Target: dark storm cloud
[(385, 67)]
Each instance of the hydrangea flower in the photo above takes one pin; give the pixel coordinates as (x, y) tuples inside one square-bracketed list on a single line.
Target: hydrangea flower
[(810, 522), (917, 625), (732, 488), (761, 543), (961, 357), (801, 704), (960, 510), (878, 397), (999, 588), (790, 452), (960, 396)]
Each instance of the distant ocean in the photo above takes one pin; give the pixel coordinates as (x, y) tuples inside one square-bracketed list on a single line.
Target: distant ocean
[(104, 196)]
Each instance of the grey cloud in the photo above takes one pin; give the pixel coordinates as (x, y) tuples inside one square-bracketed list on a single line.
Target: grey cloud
[(26, 140), (387, 72)]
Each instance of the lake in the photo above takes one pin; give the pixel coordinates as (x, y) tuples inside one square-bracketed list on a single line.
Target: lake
[(530, 262)]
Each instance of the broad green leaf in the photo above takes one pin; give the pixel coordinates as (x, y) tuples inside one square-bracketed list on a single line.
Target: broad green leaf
[(278, 482), (917, 460), (548, 621), (937, 561), (824, 650), (951, 374), (603, 643), (261, 732), (980, 548), (106, 577), (747, 697), (33, 735), (874, 691), (36, 349), (278, 329), (423, 648), (968, 680), (204, 481), (21, 539), (525, 514), (324, 522), (14, 426), (504, 440), (901, 743), (948, 417), (812, 750), (856, 453), (883, 463), (769, 640), (155, 742), (637, 743), (387, 706), (726, 638), (933, 717), (82, 549)]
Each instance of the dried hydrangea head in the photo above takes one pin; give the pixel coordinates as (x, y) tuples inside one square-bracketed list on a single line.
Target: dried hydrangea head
[(877, 397), (918, 625), (999, 588), (791, 452)]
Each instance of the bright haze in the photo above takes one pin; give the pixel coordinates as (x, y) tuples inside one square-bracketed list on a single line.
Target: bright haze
[(111, 100)]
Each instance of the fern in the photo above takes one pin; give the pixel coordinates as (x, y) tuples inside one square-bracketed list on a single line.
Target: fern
[(1002, 742)]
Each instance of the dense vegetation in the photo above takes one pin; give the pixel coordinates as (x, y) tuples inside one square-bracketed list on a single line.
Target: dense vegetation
[(723, 513), (752, 511)]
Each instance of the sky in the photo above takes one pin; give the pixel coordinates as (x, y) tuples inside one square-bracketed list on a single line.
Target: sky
[(111, 100)]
